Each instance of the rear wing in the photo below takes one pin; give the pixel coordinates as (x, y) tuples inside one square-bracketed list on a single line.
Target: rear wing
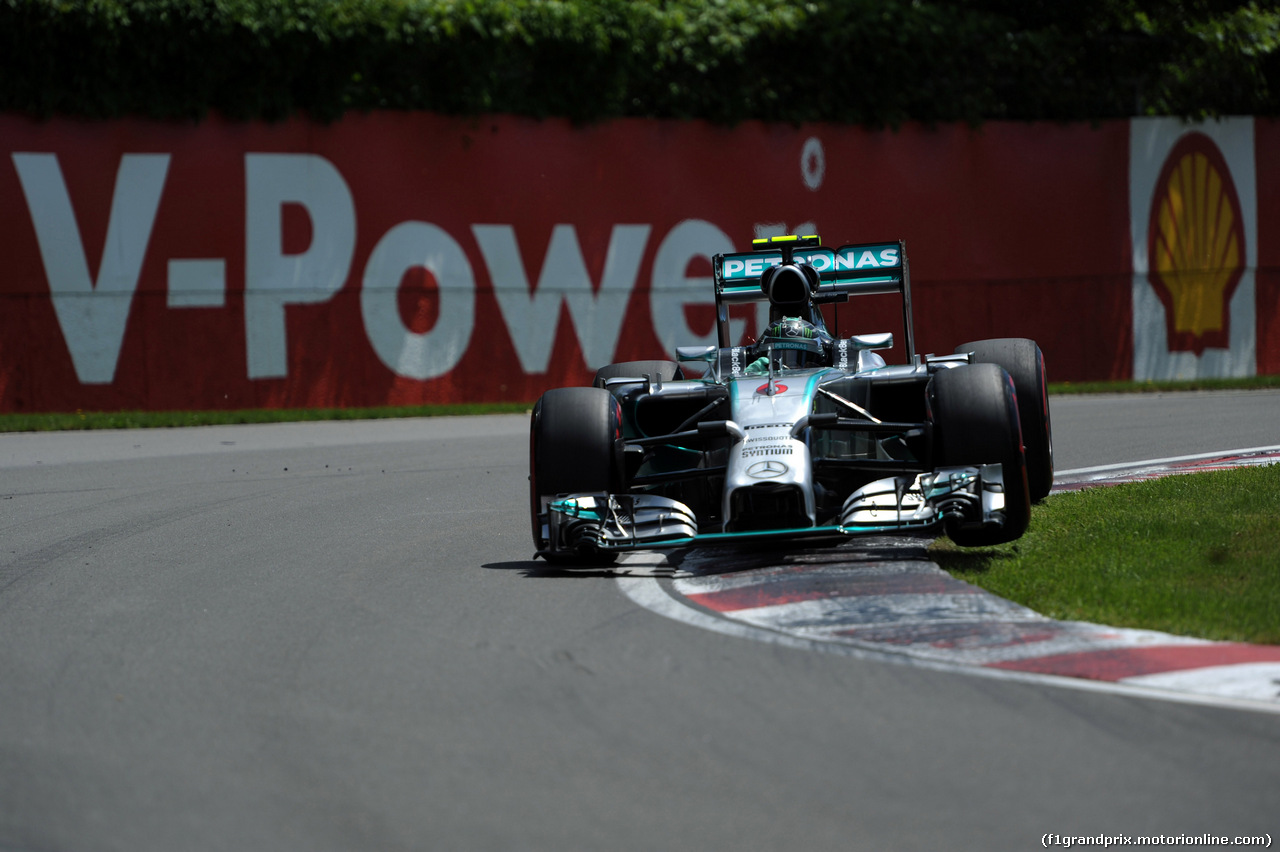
[(858, 269)]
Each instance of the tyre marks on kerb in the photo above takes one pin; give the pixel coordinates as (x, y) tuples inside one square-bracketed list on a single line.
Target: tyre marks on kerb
[(882, 598), (912, 607)]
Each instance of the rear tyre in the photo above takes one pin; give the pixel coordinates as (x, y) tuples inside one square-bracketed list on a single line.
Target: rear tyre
[(663, 370), (975, 416), (1023, 360), (574, 447)]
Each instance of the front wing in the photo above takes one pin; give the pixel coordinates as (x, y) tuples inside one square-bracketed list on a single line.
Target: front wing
[(966, 497)]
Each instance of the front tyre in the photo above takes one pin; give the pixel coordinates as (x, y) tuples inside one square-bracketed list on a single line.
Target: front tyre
[(1023, 360), (975, 416), (574, 448)]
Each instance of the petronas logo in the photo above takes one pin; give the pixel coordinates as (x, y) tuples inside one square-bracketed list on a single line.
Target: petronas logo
[(1196, 245)]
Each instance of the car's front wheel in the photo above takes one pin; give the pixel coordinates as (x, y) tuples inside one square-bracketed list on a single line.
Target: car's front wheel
[(574, 448), (976, 422), (1022, 359)]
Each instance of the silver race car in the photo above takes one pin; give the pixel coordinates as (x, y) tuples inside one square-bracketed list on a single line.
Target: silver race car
[(801, 434)]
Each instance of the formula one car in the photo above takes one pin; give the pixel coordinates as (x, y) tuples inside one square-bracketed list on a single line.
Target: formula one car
[(801, 434)]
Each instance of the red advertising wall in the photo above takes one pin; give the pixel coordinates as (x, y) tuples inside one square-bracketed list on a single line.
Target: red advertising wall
[(398, 258)]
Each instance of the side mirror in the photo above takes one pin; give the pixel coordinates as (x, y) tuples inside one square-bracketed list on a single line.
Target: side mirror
[(696, 353), (884, 340)]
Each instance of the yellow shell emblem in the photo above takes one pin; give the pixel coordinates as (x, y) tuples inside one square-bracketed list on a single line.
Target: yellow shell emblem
[(1196, 246)]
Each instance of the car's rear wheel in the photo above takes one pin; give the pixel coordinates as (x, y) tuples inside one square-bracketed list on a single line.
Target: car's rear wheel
[(976, 422), (665, 371), (1023, 360), (574, 439)]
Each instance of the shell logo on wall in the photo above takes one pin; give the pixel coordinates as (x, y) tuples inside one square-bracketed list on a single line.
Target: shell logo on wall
[(1193, 227), (1196, 244)]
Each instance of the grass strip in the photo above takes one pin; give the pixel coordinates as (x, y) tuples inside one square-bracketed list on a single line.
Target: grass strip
[(1195, 555), (80, 420)]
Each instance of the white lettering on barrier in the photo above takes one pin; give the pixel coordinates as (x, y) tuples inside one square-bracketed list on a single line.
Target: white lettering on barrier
[(433, 353), (672, 288), (93, 313), (532, 317), (197, 283), (273, 279)]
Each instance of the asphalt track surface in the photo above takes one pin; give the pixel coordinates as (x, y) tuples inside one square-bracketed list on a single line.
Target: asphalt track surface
[(330, 636)]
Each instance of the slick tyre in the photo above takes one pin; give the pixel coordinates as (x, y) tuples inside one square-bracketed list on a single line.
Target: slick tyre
[(574, 447), (1023, 360), (665, 371), (976, 422)]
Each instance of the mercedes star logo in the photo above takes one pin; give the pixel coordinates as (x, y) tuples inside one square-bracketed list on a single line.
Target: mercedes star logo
[(766, 469)]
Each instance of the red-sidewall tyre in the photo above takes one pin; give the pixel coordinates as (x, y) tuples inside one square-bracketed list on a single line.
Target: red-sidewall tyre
[(575, 438), (975, 416), (1022, 359)]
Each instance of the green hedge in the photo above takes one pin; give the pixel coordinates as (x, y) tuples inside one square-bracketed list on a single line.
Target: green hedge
[(871, 62)]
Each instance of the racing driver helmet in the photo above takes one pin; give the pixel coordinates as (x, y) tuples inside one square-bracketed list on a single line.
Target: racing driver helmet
[(795, 343)]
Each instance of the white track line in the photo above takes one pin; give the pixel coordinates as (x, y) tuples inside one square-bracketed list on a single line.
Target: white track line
[(1173, 460)]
